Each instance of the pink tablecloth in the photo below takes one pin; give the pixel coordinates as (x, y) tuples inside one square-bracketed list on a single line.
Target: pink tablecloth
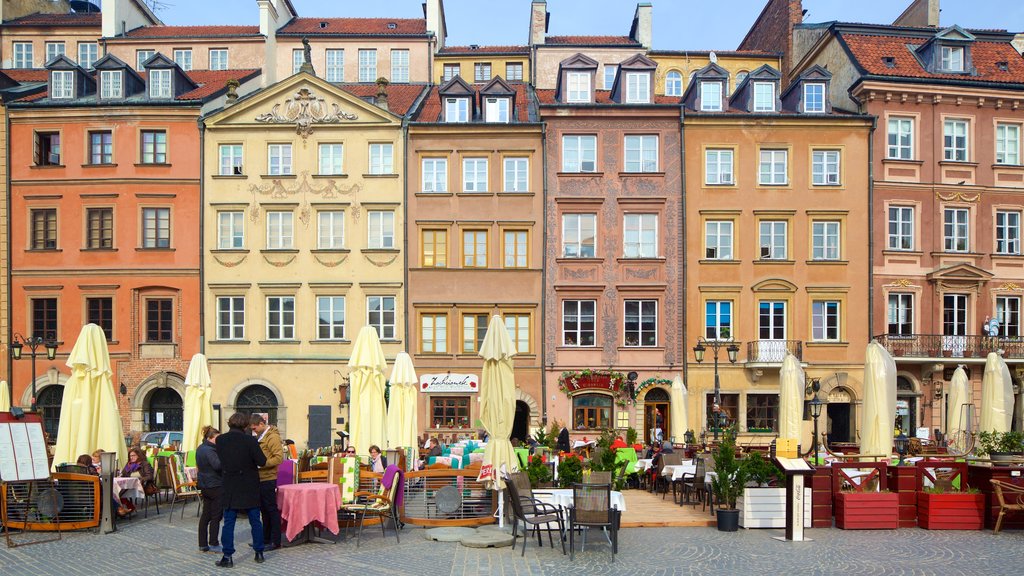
[(302, 504)]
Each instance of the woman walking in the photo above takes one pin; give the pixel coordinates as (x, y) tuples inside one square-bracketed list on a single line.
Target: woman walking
[(210, 488), (240, 461)]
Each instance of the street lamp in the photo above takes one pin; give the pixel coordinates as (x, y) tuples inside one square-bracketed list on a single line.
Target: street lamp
[(816, 405), (732, 349), (902, 446), (33, 343)]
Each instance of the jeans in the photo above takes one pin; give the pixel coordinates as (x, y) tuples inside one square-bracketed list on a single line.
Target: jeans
[(271, 515), (227, 534), (209, 520)]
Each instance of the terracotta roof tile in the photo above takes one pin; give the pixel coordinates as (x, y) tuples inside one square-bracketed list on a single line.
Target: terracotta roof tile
[(192, 31), (70, 19), (484, 50), (547, 97), (356, 26), (591, 40), (869, 51), (401, 97), (431, 109), (23, 75), (212, 81)]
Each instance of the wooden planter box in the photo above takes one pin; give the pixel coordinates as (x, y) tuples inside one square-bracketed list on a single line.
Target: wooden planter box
[(867, 510), (950, 511), (766, 508)]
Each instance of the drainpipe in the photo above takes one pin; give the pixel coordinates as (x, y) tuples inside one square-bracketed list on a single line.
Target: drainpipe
[(544, 275), (871, 227), (405, 224), (202, 235), (683, 254), (10, 281)]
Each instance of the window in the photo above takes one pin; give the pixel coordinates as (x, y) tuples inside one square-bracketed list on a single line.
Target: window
[(718, 239), (330, 159), (44, 318), (591, 411), (22, 54), (159, 83), (101, 147), (44, 229), (450, 71), (516, 245), (449, 412), (901, 228), (1007, 232), (952, 58), (640, 236), (141, 56), (159, 320), (230, 230), (1008, 143), (474, 329), (579, 235), (773, 169), (1008, 316), (99, 233), (901, 139), (474, 175), (711, 96), (718, 167), (825, 320), (673, 84), (100, 311), (762, 413), (771, 323), (641, 323), (230, 159), (330, 230), (764, 96), (434, 249), (482, 72), (88, 53), (638, 87), (496, 109), (218, 59), (230, 318), (381, 230), (335, 65), (281, 318), (435, 174), (399, 65), (183, 58), (298, 59), (110, 84), (434, 334), (773, 239), (579, 153), (456, 109), (154, 147), (380, 313), (518, 326), (156, 227), (825, 167), (579, 322), (814, 97), (954, 141), (279, 159), (718, 319), (62, 84), (825, 240), (954, 319), (514, 71), (474, 249), (54, 49), (579, 86), (330, 317), (381, 158), (610, 71), (367, 65), (517, 171), (901, 314), (955, 229), (280, 231), (641, 153), (47, 151)]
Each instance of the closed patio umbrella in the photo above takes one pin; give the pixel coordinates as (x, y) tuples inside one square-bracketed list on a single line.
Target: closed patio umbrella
[(791, 395), (402, 423), (497, 397), (89, 418), (996, 396), (366, 381), (959, 394), (879, 411), (198, 407), (5, 397), (679, 420)]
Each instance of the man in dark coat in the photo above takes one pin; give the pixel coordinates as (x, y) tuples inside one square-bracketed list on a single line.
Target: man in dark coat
[(240, 460)]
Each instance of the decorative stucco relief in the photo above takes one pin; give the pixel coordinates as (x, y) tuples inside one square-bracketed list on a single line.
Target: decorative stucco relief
[(305, 109), (277, 190)]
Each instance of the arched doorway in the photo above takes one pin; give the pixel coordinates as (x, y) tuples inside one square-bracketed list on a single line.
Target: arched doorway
[(656, 414), (164, 411), (521, 423), (906, 405), (839, 415), (48, 404), (258, 399)]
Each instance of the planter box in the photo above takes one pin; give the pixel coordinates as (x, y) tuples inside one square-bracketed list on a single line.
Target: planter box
[(950, 511), (867, 510), (766, 508)]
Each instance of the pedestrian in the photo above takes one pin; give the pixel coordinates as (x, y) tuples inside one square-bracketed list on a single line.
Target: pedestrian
[(270, 443), (211, 489), (240, 460)]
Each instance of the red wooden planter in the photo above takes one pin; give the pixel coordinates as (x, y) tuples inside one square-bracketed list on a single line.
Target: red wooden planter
[(867, 510), (950, 511)]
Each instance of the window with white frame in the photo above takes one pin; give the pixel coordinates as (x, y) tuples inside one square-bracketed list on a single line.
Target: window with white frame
[(218, 59), (230, 230), (433, 333), (330, 229), (141, 56), (1007, 143), (825, 240), (367, 65), (956, 229), (1008, 316), (517, 172), (516, 246), (718, 238), (474, 175), (62, 84), (54, 49), (381, 158), (331, 159), (335, 65), (954, 140), (579, 86), (330, 317), (825, 168), (673, 83), (901, 228), (710, 96), (1007, 232), (610, 71), (814, 97), (772, 239), (514, 71), (399, 65), (280, 318), (718, 166), (298, 58), (156, 227), (381, 229), (764, 96), (482, 72), (641, 323), (154, 147), (280, 231), (474, 330), (496, 109), (279, 159), (579, 235), (456, 109), (88, 53), (230, 317), (435, 175), (450, 71), (901, 314), (638, 87), (23, 55), (183, 58), (718, 320), (380, 313), (160, 83), (901, 139), (952, 58), (640, 236), (641, 153), (230, 159), (773, 169), (579, 326), (110, 84), (825, 320), (579, 153)]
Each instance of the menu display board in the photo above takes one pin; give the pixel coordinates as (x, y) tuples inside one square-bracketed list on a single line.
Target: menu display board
[(22, 452)]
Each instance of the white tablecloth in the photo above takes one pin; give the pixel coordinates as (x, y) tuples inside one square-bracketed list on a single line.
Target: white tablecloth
[(562, 497), (643, 464), (676, 471), (132, 488)]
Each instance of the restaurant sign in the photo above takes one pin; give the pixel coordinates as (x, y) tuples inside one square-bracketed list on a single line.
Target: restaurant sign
[(449, 382)]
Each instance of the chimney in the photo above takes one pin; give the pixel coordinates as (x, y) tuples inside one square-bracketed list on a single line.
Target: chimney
[(920, 14), (232, 95), (641, 30), (433, 11), (538, 21), (382, 93)]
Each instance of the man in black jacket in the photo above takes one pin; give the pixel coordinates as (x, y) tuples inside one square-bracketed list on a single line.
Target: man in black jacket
[(240, 460)]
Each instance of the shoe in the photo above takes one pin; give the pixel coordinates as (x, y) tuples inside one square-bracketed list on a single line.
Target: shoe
[(215, 548), (259, 558), (204, 548), (225, 562)]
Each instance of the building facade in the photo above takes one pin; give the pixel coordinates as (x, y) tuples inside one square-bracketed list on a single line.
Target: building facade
[(478, 64)]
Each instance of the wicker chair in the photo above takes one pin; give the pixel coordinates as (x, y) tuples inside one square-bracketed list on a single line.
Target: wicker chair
[(532, 512), (600, 477), (674, 459), (1010, 498), (592, 507), (691, 484)]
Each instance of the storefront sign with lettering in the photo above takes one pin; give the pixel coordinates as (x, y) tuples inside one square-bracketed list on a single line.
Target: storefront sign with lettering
[(449, 382)]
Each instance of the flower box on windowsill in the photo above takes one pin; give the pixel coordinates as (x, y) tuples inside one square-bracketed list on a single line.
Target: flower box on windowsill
[(867, 510), (951, 511)]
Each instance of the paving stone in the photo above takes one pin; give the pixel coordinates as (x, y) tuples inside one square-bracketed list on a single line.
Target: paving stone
[(487, 539), (448, 534), (507, 529)]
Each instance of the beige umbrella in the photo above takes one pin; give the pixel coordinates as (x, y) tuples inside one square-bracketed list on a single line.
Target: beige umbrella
[(198, 407), (879, 411), (366, 381), (89, 418), (959, 394), (996, 396), (5, 397), (497, 398), (678, 397), (791, 394), (402, 424)]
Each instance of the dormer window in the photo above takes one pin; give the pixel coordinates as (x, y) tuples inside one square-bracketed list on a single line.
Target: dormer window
[(764, 96), (159, 83), (111, 84), (496, 109), (638, 87), (62, 84), (952, 59), (814, 97), (456, 109), (579, 86), (711, 96)]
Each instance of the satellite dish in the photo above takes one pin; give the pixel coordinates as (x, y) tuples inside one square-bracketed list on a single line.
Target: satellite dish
[(713, 57)]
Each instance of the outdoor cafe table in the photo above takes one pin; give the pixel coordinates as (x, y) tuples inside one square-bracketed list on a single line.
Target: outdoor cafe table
[(675, 471), (303, 504), (129, 487), (643, 464), (562, 497)]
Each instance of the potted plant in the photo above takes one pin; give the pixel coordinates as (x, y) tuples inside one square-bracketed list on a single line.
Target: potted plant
[(539, 472), (857, 505), (1000, 447), (631, 436), (570, 470), (944, 508), (728, 483), (763, 504)]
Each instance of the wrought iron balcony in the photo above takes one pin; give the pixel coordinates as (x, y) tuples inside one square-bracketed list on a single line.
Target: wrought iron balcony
[(941, 346), (773, 351)]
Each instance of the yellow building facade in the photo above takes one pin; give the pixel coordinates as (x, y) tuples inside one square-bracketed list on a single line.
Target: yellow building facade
[(481, 63), (676, 67)]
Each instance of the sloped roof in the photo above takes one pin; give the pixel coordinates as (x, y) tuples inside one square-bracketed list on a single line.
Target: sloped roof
[(69, 19), (431, 109), (590, 40), (401, 97), (483, 50), (869, 50), (23, 75), (355, 27), (547, 97), (209, 83), (192, 31)]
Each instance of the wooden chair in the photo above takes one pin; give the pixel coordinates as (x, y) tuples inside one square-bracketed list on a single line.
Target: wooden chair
[(379, 504), (1010, 498), (183, 490), (690, 485), (592, 507), (532, 512)]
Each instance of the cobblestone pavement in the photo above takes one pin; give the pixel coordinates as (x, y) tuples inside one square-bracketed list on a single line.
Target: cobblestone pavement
[(155, 548)]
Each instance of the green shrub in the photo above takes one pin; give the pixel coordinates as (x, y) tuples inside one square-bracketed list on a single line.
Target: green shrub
[(990, 442), (760, 469), (731, 475), (570, 471), (631, 436), (538, 471)]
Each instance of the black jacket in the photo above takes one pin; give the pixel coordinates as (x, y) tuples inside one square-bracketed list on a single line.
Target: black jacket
[(208, 464), (240, 460)]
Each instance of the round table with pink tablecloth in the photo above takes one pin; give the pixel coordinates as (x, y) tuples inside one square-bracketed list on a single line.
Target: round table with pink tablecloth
[(303, 504)]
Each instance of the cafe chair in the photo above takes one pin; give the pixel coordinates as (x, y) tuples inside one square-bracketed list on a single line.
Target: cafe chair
[(673, 459), (183, 489), (592, 508), (380, 504), (601, 477), (691, 485), (73, 469), (1010, 498), (532, 512)]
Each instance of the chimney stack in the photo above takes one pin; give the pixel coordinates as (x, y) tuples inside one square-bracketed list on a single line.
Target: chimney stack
[(641, 31), (433, 11), (920, 14), (538, 21)]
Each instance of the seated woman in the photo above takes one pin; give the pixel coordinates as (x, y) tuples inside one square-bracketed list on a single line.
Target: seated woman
[(86, 461), (139, 467), (378, 462)]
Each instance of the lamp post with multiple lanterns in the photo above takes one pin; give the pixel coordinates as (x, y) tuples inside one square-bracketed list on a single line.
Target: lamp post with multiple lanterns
[(33, 343), (732, 349)]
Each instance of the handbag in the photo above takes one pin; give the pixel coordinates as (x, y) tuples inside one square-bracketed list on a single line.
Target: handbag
[(150, 488)]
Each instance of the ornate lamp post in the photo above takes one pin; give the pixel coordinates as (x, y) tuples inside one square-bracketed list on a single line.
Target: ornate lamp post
[(732, 349), (902, 446), (816, 405), (33, 343)]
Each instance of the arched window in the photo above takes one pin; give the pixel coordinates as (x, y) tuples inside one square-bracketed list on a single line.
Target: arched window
[(657, 395), (165, 412), (258, 399), (674, 84), (591, 411), (48, 404)]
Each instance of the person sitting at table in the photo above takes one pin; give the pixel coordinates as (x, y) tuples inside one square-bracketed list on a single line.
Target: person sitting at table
[(350, 452), (138, 466), (378, 462), (96, 463), (86, 462), (435, 448)]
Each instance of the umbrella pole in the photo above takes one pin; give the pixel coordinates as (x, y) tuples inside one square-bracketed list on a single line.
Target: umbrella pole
[(501, 508)]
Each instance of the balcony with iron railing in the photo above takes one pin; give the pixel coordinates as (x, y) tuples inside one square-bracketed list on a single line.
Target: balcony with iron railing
[(938, 346), (772, 352)]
